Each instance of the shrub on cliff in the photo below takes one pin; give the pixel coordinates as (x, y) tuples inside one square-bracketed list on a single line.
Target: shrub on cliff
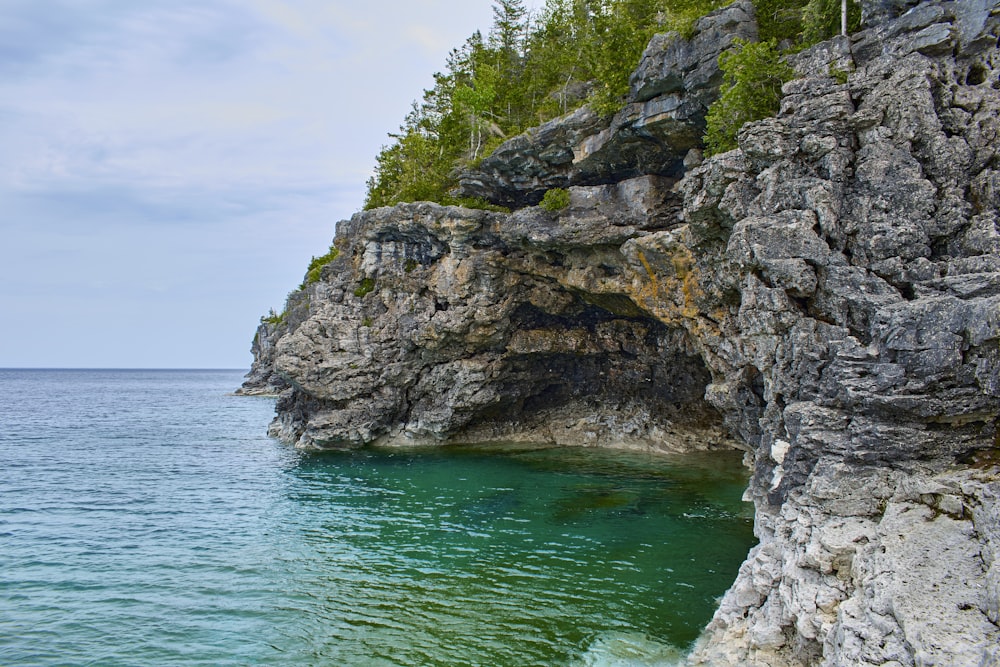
[(273, 318), (754, 72), (753, 75), (555, 199), (316, 264)]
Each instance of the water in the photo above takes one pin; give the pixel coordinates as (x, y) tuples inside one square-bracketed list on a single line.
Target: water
[(145, 519)]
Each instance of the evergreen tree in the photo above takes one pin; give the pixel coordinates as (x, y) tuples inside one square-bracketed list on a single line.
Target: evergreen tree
[(821, 19), (752, 78), (779, 20), (525, 71)]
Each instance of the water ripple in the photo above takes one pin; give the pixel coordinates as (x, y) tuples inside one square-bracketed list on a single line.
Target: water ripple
[(144, 519)]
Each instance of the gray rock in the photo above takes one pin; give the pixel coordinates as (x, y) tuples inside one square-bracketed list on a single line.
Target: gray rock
[(877, 12), (826, 297), (443, 324), (976, 22), (674, 65), (520, 171), (899, 393), (263, 380)]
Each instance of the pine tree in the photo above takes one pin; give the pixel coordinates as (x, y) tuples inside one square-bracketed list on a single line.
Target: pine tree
[(527, 70), (753, 75)]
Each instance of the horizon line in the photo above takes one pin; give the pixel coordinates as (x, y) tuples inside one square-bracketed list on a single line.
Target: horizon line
[(118, 368)]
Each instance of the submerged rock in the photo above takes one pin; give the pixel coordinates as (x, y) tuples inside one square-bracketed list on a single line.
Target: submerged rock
[(826, 297)]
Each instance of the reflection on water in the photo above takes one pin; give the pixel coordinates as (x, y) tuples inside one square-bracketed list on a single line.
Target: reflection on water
[(145, 519)]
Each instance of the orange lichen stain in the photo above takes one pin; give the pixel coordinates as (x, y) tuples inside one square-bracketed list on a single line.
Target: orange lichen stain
[(718, 315), (691, 290), (681, 264), (684, 266), (649, 271), (673, 299)]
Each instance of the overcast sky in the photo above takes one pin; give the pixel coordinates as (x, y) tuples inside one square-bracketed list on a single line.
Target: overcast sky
[(168, 167)]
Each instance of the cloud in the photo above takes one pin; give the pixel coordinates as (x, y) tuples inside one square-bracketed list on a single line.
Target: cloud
[(176, 150), (270, 92)]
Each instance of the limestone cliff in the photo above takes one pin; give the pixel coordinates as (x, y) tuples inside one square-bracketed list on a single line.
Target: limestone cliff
[(826, 297)]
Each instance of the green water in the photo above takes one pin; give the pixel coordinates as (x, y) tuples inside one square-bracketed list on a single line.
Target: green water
[(145, 519), (514, 557)]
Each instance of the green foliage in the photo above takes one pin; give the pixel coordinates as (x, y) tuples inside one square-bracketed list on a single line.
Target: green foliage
[(802, 23), (366, 286), (410, 264), (779, 20), (316, 264), (753, 75), (821, 19), (838, 75), (475, 202), (273, 317), (526, 70), (555, 199), (367, 322), (530, 68)]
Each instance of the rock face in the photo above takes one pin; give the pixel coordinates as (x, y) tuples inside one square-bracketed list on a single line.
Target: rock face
[(857, 230), (263, 379), (440, 324), (829, 293)]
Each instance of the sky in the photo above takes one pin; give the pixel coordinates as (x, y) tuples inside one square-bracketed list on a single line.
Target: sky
[(168, 167)]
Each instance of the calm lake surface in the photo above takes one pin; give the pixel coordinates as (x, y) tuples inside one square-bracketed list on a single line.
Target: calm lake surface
[(146, 519)]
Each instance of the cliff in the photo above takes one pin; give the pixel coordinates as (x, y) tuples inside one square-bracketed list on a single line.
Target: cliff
[(825, 297)]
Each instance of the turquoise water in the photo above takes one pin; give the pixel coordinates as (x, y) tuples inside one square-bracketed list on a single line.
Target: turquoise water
[(146, 520)]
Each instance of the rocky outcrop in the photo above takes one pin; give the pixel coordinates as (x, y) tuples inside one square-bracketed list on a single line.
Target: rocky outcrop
[(440, 324), (829, 293), (671, 90), (866, 252), (263, 379)]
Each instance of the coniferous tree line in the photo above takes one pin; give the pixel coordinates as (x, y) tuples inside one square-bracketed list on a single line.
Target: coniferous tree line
[(530, 68)]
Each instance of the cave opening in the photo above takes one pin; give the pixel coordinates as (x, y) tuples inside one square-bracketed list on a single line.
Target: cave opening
[(590, 376)]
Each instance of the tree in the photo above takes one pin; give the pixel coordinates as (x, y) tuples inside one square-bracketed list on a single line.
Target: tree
[(779, 19), (752, 78), (823, 19), (523, 72)]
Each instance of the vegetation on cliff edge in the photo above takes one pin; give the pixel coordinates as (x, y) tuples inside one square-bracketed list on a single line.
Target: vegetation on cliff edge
[(527, 69), (754, 72), (753, 76), (316, 264), (530, 68)]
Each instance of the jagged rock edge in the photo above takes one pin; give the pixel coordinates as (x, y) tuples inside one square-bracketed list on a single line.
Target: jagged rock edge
[(838, 276)]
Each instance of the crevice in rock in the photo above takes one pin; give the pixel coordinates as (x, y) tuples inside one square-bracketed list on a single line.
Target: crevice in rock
[(977, 74)]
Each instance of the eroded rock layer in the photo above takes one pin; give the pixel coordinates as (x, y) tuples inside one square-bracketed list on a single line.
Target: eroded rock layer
[(861, 234), (826, 297), (440, 324)]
